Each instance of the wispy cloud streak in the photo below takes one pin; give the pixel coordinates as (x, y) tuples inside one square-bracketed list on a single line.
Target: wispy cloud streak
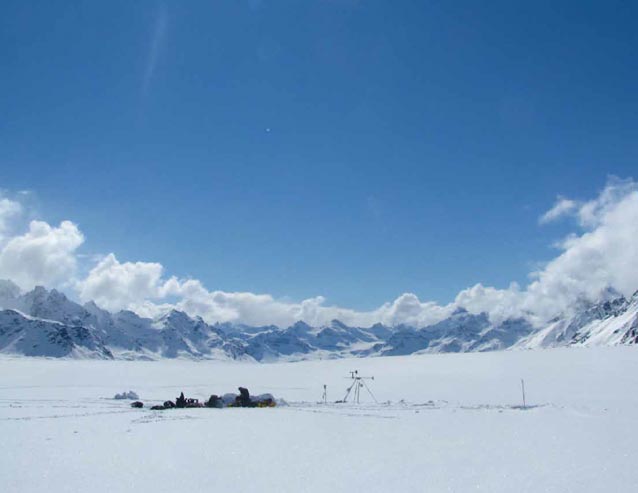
[(561, 208), (157, 40)]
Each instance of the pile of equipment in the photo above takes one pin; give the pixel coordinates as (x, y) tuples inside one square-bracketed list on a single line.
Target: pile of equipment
[(244, 399)]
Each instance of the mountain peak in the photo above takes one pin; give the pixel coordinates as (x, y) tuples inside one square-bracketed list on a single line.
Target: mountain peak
[(87, 328), (174, 313), (7, 285), (610, 294), (56, 295), (91, 305), (459, 311), (9, 293), (39, 291), (300, 324)]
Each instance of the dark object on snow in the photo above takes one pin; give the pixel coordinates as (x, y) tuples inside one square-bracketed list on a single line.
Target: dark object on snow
[(137, 404), (180, 401), (162, 407), (267, 402), (193, 403), (243, 399), (214, 401)]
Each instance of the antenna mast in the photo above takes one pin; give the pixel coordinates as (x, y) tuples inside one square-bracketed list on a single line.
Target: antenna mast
[(358, 383)]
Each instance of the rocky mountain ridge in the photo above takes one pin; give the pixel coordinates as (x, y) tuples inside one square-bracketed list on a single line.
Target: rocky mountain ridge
[(45, 322)]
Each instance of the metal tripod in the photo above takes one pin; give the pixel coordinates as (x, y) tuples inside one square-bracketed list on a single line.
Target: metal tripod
[(358, 383)]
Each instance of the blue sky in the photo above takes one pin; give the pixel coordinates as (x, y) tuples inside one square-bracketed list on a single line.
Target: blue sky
[(352, 149)]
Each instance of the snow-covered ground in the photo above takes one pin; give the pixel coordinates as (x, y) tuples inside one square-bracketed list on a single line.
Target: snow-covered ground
[(448, 422)]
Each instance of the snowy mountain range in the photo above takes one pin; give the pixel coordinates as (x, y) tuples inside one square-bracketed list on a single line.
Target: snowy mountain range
[(45, 322)]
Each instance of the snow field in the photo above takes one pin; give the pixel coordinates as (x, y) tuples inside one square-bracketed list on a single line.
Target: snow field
[(448, 422)]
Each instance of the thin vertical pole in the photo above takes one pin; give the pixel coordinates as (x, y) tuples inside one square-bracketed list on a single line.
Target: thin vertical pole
[(523, 389)]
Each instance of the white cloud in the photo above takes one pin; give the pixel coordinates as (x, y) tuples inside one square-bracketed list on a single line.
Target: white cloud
[(263, 309), (594, 212), (501, 304), (43, 255), (603, 253), (408, 309), (139, 286), (561, 208), (114, 285), (157, 39), (9, 210)]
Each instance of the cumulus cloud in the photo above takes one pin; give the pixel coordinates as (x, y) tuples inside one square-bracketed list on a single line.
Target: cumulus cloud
[(43, 255), (594, 212), (113, 285), (602, 253), (409, 310), (501, 304), (9, 209), (139, 286)]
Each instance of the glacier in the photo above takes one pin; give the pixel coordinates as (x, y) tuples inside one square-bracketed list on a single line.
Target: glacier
[(444, 422)]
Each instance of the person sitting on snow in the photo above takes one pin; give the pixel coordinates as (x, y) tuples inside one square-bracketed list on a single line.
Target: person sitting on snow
[(180, 401), (243, 399)]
